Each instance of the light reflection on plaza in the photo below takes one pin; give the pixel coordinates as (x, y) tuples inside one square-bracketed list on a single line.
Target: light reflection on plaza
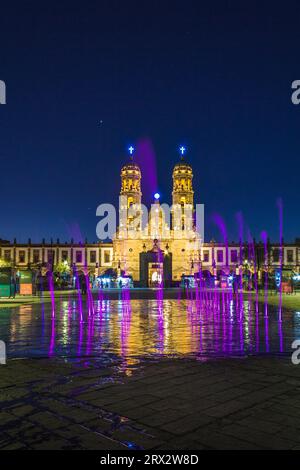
[(135, 329)]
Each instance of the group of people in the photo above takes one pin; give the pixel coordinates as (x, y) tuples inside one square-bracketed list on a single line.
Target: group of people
[(82, 281), (14, 285)]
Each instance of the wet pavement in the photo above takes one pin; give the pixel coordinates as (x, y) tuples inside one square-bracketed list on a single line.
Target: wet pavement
[(146, 374), (132, 331)]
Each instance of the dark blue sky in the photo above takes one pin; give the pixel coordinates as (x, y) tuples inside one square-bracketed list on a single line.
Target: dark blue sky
[(215, 76)]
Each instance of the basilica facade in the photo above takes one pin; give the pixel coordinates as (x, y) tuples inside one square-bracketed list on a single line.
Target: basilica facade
[(162, 244)]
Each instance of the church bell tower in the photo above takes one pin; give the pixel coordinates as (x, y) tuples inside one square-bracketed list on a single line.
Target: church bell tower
[(130, 192), (183, 194)]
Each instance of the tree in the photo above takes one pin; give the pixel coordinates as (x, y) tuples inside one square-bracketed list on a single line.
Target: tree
[(62, 268), (4, 263)]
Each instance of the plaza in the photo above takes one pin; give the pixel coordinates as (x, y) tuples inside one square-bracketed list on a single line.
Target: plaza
[(149, 374), (154, 342), (163, 247)]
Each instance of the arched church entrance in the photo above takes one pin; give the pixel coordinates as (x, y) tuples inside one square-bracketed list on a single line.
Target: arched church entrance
[(155, 269)]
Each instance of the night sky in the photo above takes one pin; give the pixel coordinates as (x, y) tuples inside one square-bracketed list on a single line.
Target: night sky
[(85, 80)]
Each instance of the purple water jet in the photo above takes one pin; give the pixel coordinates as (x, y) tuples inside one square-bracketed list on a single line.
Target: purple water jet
[(280, 214), (240, 222), (146, 157), (51, 290), (264, 237)]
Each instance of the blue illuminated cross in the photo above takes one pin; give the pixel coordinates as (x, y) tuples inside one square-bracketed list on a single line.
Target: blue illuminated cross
[(131, 149), (182, 150)]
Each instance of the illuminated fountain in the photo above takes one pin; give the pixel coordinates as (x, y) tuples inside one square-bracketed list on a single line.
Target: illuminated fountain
[(208, 319), (240, 222), (199, 325), (51, 290), (280, 213), (255, 274), (79, 297), (264, 237)]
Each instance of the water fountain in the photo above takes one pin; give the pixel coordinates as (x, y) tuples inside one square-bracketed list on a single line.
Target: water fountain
[(264, 237), (51, 290), (280, 213)]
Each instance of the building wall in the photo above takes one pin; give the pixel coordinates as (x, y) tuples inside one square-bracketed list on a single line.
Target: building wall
[(124, 254), (98, 256), (185, 260)]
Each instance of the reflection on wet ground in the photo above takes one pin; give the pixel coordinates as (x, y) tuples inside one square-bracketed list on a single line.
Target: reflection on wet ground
[(124, 330)]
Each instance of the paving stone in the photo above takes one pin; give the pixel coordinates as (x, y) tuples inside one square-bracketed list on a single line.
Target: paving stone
[(261, 439), (290, 433), (47, 420), (143, 440), (225, 409), (220, 441), (24, 430), (244, 403), (139, 412), (229, 394), (91, 441), (99, 425), (71, 432), (169, 403), (182, 444), (15, 446), (160, 418), (7, 418), (123, 407), (52, 444), (187, 424), (22, 410), (261, 425), (4, 440)]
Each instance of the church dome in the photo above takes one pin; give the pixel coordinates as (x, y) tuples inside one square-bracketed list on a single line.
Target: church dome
[(182, 167), (131, 167)]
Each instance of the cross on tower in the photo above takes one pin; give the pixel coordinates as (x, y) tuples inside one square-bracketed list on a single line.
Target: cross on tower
[(182, 150), (131, 150)]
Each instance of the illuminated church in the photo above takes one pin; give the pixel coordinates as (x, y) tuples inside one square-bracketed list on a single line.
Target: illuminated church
[(165, 247)]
